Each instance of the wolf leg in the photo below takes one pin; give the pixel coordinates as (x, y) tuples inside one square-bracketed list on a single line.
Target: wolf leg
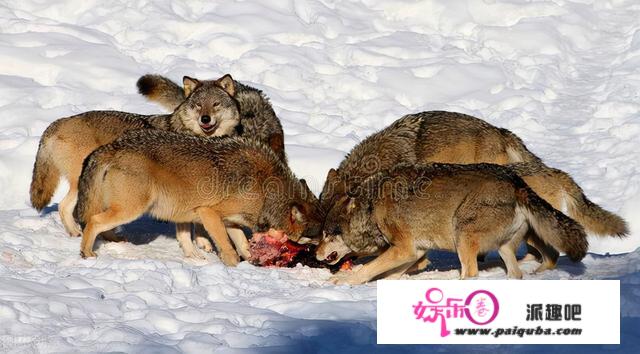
[(508, 256), (112, 217), (240, 241), (183, 235), (202, 239), (204, 244), (533, 252), (508, 251), (468, 254), (406, 268), (394, 257), (65, 208), (420, 265), (215, 228), (548, 253)]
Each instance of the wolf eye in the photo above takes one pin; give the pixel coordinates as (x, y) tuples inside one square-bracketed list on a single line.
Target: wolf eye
[(216, 104)]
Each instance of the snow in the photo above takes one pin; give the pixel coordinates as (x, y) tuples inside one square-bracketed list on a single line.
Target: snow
[(561, 74)]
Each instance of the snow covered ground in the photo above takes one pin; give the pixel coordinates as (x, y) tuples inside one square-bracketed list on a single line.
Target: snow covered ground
[(563, 75)]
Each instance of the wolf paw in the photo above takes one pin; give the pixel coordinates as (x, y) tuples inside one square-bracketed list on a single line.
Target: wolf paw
[(244, 252), (74, 230), (204, 244), (514, 275), (88, 254), (193, 253), (230, 259), (345, 278)]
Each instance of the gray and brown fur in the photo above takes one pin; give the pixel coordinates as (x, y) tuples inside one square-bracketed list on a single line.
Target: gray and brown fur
[(449, 137), (402, 213), (563, 193), (434, 136), (228, 182), (258, 119), (68, 141)]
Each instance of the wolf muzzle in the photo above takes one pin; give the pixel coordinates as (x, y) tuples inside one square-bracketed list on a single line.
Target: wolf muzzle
[(207, 124)]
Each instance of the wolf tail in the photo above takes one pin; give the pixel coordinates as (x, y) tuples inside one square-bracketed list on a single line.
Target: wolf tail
[(161, 90), (90, 199), (46, 175), (555, 228), (590, 215)]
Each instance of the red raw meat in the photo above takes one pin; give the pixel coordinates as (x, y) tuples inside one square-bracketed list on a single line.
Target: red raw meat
[(346, 265), (273, 249)]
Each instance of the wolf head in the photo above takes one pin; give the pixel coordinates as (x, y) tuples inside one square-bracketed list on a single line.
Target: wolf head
[(348, 229), (296, 212), (209, 108)]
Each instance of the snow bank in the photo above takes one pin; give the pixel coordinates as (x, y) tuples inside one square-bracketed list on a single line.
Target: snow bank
[(144, 297), (563, 75)]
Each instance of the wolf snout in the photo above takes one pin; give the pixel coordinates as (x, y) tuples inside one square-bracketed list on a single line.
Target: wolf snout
[(205, 119), (207, 123)]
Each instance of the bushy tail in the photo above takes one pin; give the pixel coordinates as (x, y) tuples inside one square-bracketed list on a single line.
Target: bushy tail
[(559, 188), (589, 214), (45, 177), (161, 90), (90, 200), (555, 228)]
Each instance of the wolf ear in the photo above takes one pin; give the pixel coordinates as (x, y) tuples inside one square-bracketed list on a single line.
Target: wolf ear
[(332, 175), (226, 83), (297, 217), (334, 182), (303, 184), (189, 85)]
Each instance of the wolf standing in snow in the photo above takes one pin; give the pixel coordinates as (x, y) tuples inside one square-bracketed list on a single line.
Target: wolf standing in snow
[(449, 137), (222, 183), (257, 118), (469, 209), (209, 110)]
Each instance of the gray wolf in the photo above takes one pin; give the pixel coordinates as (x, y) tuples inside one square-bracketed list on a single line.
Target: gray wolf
[(402, 213), (257, 118), (227, 182), (449, 137), (210, 110)]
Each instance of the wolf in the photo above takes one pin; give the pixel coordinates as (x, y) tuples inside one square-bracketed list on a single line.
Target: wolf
[(433, 136), (257, 117), (228, 182), (402, 213), (449, 137), (209, 111)]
